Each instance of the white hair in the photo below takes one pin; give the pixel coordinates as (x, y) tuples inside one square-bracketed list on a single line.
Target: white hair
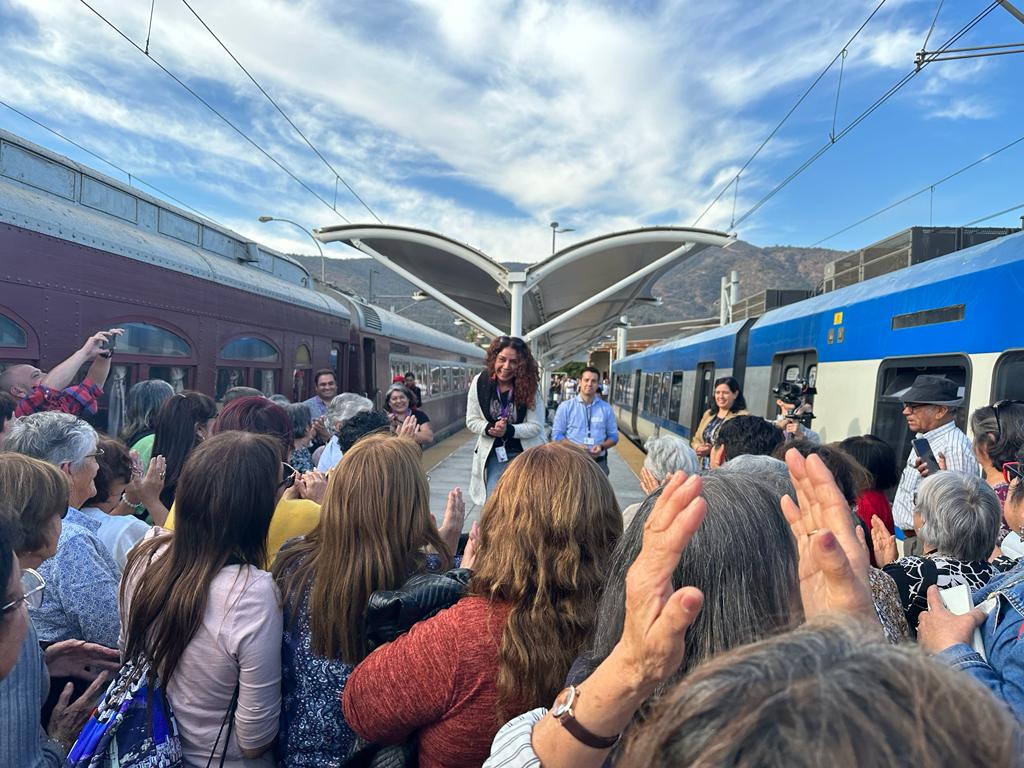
[(54, 437), (668, 454), (961, 515), (344, 407)]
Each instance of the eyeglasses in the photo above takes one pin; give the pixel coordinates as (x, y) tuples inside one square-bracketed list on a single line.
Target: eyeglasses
[(1012, 470), (32, 585), (914, 406), (1000, 404), (95, 454), (289, 476)]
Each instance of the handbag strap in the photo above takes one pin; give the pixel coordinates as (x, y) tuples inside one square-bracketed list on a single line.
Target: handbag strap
[(229, 721)]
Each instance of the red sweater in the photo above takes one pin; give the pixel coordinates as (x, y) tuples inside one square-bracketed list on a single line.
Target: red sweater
[(437, 681)]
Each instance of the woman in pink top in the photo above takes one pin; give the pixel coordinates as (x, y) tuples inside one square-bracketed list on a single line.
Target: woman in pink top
[(198, 606)]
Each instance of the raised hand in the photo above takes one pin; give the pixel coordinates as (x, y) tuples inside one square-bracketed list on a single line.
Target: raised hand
[(658, 614), (454, 518), (408, 427), (833, 564), (648, 482), (472, 546), (882, 542)]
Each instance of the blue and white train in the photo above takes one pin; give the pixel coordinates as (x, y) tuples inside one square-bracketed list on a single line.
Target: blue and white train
[(955, 315)]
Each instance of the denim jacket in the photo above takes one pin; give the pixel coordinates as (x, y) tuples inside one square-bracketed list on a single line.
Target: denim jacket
[(1003, 635)]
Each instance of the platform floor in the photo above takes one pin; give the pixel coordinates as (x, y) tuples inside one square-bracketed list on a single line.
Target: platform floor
[(449, 464)]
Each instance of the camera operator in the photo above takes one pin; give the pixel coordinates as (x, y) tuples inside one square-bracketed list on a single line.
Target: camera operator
[(795, 413), (37, 390)]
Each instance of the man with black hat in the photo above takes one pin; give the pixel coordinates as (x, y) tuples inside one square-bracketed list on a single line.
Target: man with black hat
[(929, 407)]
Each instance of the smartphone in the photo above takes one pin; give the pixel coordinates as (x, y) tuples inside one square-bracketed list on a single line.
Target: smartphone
[(923, 449), (108, 346)]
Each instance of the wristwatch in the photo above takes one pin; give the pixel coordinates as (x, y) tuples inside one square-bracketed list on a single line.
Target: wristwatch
[(562, 711)]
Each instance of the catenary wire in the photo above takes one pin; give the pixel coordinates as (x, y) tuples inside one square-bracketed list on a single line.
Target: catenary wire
[(216, 112), (993, 215), (921, 191), (131, 176), (892, 91), (786, 117), (262, 90)]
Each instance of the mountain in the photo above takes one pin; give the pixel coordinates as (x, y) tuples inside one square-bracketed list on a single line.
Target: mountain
[(689, 290)]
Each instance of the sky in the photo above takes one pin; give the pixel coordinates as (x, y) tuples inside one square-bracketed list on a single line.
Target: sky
[(485, 120)]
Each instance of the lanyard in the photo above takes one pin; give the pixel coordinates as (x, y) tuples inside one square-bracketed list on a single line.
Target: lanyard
[(590, 411), (505, 398)]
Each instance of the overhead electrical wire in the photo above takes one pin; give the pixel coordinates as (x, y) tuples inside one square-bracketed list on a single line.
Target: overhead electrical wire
[(786, 117), (892, 91), (216, 112), (926, 188), (131, 176), (262, 90), (993, 215)]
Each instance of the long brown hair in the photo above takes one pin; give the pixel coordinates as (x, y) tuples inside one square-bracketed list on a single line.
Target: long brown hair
[(176, 429), (527, 374), (546, 537), (374, 523), (222, 516)]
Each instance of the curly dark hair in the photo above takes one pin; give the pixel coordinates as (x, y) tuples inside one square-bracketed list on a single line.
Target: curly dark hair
[(527, 374)]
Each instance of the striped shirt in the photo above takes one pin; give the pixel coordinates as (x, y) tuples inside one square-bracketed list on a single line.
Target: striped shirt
[(513, 744), (23, 742), (959, 453)]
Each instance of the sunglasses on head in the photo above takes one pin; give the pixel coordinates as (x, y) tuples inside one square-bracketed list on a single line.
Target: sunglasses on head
[(1012, 470), (512, 341)]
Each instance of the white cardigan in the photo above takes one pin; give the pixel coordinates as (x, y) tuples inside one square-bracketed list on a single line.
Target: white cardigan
[(529, 433)]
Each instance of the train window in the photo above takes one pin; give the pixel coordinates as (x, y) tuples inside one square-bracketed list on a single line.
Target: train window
[(265, 381), (11, 334), (436, 377), (146, 339), (666, 387), (1008, 377), (302, 356), (676, 397), (300, 379), (648, 391), (423, 379), (446, 383), (228, 378), (176, 376), (896, 375), (248, 348), (792, 373)]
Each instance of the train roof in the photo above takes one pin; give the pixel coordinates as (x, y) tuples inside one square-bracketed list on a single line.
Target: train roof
[(964, 265), (376, 319), (53, 195), (722, 335)]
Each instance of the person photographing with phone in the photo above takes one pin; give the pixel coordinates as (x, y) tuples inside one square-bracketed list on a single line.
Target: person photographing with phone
[(930, 406), (38, 390), (587, 421)]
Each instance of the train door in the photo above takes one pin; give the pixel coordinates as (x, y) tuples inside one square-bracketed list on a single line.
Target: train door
[(702, 392), (369, 368), (634, 392), (791, 366), (894, 376), (1008, 377)]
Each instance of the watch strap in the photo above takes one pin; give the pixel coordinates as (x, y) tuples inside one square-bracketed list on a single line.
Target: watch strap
[(586, 737)]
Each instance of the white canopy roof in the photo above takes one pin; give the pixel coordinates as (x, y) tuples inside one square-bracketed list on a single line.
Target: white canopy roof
[(561, 304)]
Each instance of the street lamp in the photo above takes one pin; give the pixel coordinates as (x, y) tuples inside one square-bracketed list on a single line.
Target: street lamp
[(556, 231), (323, 260)]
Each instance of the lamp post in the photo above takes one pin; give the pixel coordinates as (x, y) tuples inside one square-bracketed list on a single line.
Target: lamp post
[(556, 231), (323, 260)]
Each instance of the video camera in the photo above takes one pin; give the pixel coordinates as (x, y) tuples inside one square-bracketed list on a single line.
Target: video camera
[(794, 394)]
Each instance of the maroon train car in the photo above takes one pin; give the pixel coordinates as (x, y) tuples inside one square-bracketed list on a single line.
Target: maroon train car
[(203, 307)]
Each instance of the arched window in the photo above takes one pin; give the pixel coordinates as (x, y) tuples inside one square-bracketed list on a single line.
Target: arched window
[(302, 356), (146, 339), (249, 348), (11, 334)]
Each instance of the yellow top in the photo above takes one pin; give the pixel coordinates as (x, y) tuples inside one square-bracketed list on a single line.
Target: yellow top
[(292, 517)]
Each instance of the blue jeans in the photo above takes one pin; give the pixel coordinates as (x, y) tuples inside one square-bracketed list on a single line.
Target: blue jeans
[(494, 469)]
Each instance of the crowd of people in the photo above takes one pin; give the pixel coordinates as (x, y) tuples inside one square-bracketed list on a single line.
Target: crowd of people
[(255, 582)]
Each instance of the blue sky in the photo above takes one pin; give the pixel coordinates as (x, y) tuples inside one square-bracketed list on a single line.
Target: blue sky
[(485, 120)]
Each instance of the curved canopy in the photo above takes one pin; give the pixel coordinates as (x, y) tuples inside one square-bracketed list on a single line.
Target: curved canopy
[(561, 304)]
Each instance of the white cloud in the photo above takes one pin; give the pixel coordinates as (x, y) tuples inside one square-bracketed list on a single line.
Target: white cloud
[(963, 109)]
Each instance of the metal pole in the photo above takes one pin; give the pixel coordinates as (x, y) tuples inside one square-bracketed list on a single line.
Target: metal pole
[(517, 290), (323, 259), (621, 339), (734, 292), (723, 301)]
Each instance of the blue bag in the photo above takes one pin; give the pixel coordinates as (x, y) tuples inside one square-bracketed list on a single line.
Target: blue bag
[(133, 726)]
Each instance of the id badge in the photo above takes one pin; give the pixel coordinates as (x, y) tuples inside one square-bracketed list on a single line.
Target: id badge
[(501, 454), (588, 441)]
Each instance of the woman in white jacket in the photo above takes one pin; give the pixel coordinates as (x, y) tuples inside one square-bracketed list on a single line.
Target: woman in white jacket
[(505, 410)]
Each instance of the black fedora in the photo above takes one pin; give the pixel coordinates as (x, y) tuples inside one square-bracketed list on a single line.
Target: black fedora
[(929, 389)]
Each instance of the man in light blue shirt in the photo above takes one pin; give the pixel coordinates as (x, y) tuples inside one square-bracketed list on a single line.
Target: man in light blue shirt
[(587, 421)]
